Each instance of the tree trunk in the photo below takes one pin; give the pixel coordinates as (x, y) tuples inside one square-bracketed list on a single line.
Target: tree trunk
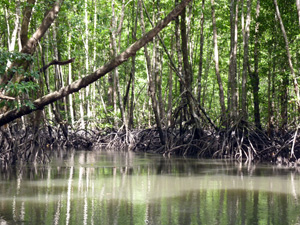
[(185, 53), (88, 97), (116, 33), (94, 63), (296, 87), (216, 59), (151, 88), (27, 12), (170, 84), (12, 37), (209, 53), (232, 79), (71, 110), (255, 76), (81, 108), (298, 10), (271, 96), (187, 79), (187, 87), (201, 53), (284, 103), (178, 49), (158, 79), (131, 107), (46, 72), (57, 69), (246, 61)]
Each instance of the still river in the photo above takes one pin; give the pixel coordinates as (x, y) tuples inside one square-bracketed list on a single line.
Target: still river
[(135, 188)]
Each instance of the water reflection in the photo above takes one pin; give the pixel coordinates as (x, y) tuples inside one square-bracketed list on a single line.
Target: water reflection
[(128, 188)]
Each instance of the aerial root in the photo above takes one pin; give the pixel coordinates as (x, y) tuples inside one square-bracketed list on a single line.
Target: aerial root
[(240, 142)]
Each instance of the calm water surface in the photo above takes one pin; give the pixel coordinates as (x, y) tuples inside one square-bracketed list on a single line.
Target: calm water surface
[(128, 188)]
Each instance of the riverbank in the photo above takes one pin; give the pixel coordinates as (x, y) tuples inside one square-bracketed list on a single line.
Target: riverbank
[(241, 144)]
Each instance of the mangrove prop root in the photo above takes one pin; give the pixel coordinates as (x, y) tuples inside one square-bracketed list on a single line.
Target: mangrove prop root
[(239, 143)]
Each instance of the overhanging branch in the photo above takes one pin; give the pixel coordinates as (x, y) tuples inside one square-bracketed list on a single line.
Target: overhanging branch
[(85, 81)]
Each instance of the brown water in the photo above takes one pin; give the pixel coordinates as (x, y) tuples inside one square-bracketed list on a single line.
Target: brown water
[(128, 188)]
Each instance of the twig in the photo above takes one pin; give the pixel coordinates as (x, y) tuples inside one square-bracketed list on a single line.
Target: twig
[(56, 62), (2, 96)]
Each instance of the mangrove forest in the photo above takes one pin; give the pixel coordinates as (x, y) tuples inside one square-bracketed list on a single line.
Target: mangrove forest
[(204, 78)]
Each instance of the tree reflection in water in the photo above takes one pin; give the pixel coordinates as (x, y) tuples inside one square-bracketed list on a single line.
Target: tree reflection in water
[(128, 188)]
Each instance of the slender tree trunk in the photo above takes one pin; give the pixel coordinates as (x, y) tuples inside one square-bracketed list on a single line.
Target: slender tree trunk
[(53, 109), (151, 88), (232, 79), (216, 59), (187, 97), (234, 61), (209, 54), (158, 78), (296, 87), (284, 102), (110, 96), (93, 86), (178, 48), (81, 109), (170, 84), (298, 10), (12, 37), (56, 57), (111, 86), (271, 73), (71, 110), (190, 41), (255, 75), (246, 61), (229, 97), (272, 97), (201, 53), (65, 100), (134, 30), (86, 37), (186, 66), (46, 73), (185, 54), (61, 105), (115, 33)]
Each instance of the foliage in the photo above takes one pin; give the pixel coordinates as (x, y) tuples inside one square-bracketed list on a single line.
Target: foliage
[(70, 33)]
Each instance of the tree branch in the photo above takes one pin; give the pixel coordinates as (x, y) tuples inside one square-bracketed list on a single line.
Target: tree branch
[(56, 62), (85, 81), (2, 96)]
